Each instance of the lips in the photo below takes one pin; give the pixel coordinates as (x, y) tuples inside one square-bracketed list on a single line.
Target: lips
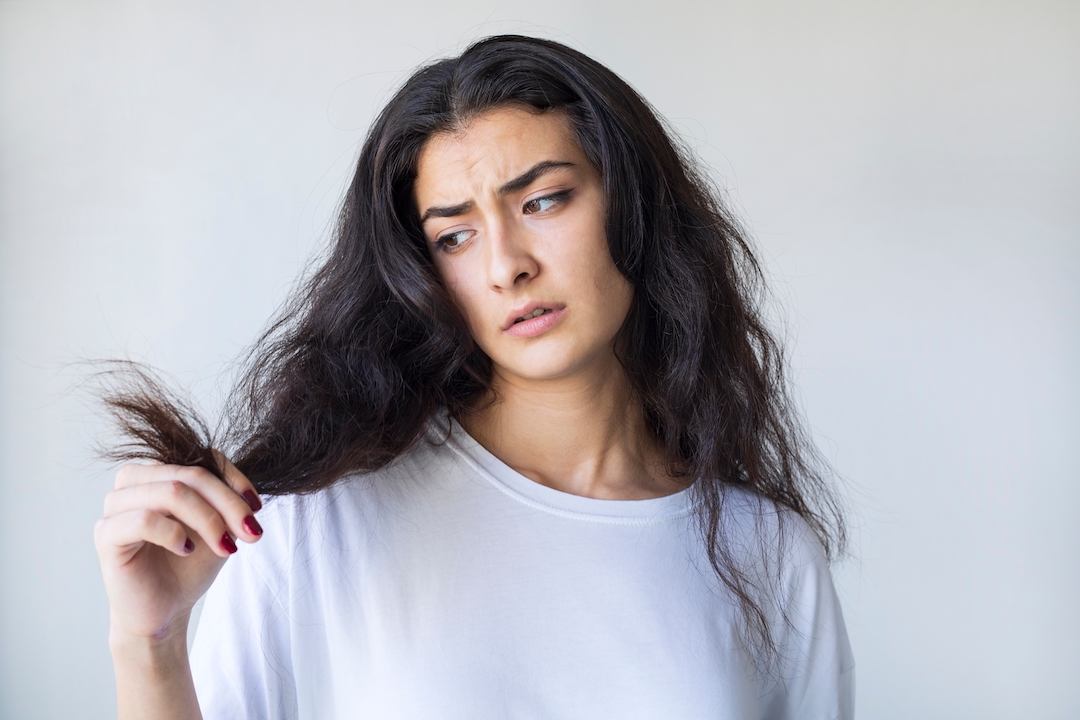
[(533, 318), (535, 313), (528, 311)]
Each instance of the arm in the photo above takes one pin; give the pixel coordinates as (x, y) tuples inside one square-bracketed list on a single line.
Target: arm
[(153, 678)]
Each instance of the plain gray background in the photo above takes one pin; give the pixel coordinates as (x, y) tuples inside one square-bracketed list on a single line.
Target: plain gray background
[(911, 171)]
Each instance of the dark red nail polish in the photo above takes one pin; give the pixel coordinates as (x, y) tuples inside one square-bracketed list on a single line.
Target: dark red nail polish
[(252, 525), (227, 543), (252, 500), (189, 546)]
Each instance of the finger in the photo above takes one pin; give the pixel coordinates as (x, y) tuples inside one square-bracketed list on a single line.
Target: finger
[(185, 503), (235, 509), (229, 496), (144, 472), (225, 504), (239, 482), (120, 535)]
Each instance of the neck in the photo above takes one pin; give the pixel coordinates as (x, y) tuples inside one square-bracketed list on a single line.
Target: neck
[(581, 435)]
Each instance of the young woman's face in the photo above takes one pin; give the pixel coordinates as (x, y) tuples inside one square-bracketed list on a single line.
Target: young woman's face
[(514, 218)]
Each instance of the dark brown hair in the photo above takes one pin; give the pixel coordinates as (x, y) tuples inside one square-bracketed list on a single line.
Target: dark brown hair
[(349, 374)]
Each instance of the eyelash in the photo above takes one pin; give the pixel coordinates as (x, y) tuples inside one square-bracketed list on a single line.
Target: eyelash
[(559, 197), (440, 242)]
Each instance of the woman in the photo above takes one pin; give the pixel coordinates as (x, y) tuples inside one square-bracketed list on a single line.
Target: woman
[(529, 437)]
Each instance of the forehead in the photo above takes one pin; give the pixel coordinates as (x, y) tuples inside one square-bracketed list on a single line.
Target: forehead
[(489, 150)]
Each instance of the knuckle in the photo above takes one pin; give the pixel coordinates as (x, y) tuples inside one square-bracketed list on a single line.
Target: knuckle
[(110, 502), (190, 473), (177, 535), (123, 475), (177, 490), (212, 518), (144, 520)]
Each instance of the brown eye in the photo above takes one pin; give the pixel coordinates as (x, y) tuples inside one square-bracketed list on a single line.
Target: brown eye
[(544, 203), (451, 241)]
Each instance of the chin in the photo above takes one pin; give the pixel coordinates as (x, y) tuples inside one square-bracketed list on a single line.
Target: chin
[(546, 363), (536, 372)]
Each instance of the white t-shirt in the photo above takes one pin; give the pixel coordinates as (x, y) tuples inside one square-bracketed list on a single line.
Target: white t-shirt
[(450, 586)]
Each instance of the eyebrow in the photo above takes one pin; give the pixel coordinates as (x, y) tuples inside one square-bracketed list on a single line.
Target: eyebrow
[(521, 182)]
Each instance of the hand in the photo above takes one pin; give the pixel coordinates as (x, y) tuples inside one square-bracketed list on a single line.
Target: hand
[(166, 532)]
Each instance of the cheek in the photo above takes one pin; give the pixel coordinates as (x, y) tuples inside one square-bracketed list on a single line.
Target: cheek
[(463, 289), (591, 264), (583, 249), (612, 292)]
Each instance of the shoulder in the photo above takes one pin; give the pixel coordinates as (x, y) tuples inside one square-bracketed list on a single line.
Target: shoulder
[(790, 570), (768, 537), (306, 557), (300, 528)]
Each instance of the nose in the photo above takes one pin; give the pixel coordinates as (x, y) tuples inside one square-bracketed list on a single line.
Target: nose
[(510, 261)]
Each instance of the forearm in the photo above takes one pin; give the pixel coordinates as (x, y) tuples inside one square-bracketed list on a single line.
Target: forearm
[(153, 678)]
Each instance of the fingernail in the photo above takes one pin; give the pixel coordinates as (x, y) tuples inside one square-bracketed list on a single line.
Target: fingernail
[(189, 546), (252, 525), (227, 543), (252, 500)]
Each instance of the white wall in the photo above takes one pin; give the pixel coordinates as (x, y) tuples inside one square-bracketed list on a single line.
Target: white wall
[(912, 171)]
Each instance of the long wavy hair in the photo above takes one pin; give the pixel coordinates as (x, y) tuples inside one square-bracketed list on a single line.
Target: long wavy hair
[(348, 375)]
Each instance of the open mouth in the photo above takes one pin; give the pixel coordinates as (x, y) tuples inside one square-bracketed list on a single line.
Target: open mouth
[(534, 314)]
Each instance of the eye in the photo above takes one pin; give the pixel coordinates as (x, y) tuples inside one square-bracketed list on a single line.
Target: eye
[(451, 241), (543, 204)]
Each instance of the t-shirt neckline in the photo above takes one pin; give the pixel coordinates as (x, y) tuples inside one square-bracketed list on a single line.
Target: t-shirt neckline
[(548, 499)]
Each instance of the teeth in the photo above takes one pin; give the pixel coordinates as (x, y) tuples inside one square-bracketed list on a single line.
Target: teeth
[(535, 313)]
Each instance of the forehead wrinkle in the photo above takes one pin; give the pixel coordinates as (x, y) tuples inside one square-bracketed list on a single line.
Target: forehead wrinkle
[(474, 172), (463, 179), (463, 151)]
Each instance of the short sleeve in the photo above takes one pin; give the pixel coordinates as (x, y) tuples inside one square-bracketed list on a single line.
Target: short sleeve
[(241, 658), (815, 676)]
